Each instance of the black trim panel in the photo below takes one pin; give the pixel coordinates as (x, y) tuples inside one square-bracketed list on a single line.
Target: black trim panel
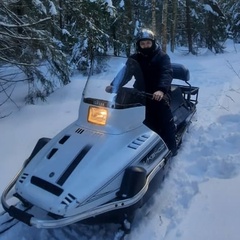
[(46, 186), (73, 165)]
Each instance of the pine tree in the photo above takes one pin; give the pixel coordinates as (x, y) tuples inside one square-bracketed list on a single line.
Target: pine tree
[(87, 31), (216, 25), (27, 44), (231, 9)]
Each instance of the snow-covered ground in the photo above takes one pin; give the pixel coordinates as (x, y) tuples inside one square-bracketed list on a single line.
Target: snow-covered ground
[(199, 198)]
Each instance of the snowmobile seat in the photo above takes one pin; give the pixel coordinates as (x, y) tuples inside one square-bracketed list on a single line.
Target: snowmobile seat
[(190, 94), (180, 72)]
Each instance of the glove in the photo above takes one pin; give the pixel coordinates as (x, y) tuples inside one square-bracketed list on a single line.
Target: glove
[(109, 89)]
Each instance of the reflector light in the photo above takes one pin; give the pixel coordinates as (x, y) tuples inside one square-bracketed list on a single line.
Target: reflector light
[(97, 115)]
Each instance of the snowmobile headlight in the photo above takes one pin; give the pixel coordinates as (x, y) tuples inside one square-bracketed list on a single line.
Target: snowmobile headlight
[(97, 115)]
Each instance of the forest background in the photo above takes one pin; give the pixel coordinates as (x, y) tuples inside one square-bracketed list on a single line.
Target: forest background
[(64, 36)]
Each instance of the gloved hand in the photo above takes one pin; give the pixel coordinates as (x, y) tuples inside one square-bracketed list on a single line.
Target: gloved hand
[(158, 95), (109, 89)]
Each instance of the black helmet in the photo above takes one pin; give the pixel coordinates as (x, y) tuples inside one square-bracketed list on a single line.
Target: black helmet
[(145, 34)]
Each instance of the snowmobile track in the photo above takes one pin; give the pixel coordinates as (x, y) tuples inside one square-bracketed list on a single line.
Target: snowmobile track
[(121, 235), (6, 222)]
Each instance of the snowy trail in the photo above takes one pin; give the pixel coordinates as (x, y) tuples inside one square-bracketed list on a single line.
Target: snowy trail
[(208, 159), (73, 232), (210, 151), (167, 209)]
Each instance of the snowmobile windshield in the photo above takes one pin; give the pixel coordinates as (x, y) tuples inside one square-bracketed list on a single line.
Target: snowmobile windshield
[(115, 86)]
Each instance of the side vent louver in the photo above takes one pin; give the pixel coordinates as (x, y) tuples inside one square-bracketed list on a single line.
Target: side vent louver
[(53, 151), (64, 139), (68, 199), (138, 142), (79, 131), (23, 177)]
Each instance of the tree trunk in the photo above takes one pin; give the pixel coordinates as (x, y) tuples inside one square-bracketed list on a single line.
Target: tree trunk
[(174, 23), (129, 28), (114, 37), (164, 25), (154, 16), (189, 27), (209, 32)]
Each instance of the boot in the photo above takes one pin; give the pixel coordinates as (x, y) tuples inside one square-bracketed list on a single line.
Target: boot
[(168, 134)]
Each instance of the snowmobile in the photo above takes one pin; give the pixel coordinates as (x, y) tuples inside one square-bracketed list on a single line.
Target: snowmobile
[(103, 166)]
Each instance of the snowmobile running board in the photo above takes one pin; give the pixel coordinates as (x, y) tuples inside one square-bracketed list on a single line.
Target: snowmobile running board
[(30, 220)]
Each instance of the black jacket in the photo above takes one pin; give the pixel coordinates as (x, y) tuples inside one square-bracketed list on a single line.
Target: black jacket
[(157, 71)]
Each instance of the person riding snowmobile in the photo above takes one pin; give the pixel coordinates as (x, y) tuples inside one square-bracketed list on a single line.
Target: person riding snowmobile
[(157, 75)]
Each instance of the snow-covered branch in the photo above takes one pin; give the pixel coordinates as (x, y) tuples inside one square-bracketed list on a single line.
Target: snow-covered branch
[(2, 24), (16, 63), (21, 37)]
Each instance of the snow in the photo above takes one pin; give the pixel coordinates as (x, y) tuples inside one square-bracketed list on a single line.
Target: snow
[(52, 9), (199, 198), (40, 6)]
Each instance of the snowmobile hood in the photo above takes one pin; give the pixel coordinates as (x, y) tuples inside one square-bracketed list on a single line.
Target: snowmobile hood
[(82, 168)]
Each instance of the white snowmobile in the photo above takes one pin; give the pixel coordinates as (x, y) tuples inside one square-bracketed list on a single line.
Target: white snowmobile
[(104, 165)]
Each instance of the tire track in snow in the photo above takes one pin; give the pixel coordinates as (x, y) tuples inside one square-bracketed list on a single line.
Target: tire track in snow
[(211, 152)]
